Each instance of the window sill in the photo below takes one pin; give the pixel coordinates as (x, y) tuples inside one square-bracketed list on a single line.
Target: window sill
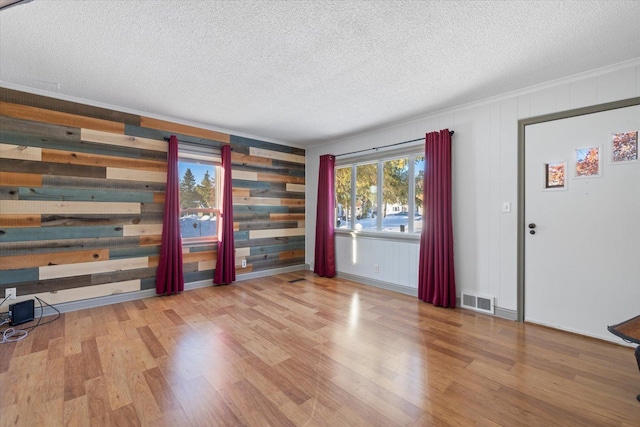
[(379, 235), (198, 241)]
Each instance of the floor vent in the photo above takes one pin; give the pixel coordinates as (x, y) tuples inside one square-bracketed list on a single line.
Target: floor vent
[(296, 280), (479, 303)]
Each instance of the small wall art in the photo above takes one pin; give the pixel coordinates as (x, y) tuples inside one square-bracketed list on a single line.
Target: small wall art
[(555, 175), (588, 162), (624, 147)]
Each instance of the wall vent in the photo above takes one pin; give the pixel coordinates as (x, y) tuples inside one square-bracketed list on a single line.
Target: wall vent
[(479, 303)]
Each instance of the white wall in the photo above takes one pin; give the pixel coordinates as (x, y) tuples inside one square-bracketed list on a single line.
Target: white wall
[(485, 175)]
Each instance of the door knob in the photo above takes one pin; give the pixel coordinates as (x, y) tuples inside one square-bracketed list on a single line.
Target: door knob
[(532, 226)]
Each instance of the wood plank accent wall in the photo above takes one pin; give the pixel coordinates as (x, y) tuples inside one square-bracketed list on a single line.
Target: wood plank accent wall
[(82, 199)]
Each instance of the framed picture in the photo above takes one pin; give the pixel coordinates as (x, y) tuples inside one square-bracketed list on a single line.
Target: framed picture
[(555, 176), (624, 147), (588, 163)]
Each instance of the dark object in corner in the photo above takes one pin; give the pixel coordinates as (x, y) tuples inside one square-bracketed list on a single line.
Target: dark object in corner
[(21, 312), (629, 330)]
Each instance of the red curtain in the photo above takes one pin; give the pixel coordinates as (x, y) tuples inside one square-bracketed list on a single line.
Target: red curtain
[(226, 263), (325, 256), (436, 277), (169, 278)]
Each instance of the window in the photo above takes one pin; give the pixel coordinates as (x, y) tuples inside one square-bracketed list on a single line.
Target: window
[(343, 197), (199, 194), (386, 195)]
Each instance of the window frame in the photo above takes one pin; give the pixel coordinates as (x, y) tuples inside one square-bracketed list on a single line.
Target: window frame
[(195, 154), (409, 152)]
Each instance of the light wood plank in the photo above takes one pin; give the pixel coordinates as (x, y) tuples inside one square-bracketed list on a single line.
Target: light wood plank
[(28, 207), (80, 269), (207, 265), (243, 252), (270, 201), (282, 232), (299, 188), (142, 229), (19, 152), (122, 140), (148, 122), (270, 154), (135, 175), (64, 119), (245, 175)]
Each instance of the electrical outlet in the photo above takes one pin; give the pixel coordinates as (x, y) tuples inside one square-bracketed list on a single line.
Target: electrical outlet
[(244, 263), (376, 268), (10, 293)]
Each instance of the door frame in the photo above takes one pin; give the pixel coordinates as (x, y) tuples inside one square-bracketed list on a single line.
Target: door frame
[(629, 102)]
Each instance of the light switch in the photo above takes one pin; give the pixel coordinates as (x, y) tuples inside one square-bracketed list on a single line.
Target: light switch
[(506, 207)]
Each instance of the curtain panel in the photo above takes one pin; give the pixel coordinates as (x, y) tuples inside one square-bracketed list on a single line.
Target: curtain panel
[(325, 257), (436, 276), (169, 278), (225, 272)]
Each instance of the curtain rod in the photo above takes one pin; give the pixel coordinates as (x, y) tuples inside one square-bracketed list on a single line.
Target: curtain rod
[(199, 144), (385, 146)]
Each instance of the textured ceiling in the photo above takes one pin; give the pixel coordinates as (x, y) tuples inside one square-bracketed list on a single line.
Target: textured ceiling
[(305, 72)]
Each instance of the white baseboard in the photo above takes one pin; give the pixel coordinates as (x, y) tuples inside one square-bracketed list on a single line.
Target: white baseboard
[(379, 284)]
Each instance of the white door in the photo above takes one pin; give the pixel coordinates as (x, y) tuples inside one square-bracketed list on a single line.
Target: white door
[(582, 265)]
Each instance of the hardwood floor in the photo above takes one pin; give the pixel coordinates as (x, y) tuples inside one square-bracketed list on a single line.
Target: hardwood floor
[(317, 351)]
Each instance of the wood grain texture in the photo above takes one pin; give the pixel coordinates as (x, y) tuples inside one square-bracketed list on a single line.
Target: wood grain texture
[(61, 207), (11, 221), (24, 98), (20, 179), (269, 154), (301, 188), (20, 152), (184, 129), (91, 159), (135, 175), (39, 260), (271, 352), (261, 234), (54, 271), (59, 118), (123, 140)]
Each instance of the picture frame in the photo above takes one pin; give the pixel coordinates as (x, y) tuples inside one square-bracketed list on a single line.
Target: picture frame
[(588, 162), (555, 176), (624, 147)]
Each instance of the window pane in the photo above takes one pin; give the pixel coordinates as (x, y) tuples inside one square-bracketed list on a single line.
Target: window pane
[(419, 210), (366, 194), (198, 213), (395, 195), (343, 197)]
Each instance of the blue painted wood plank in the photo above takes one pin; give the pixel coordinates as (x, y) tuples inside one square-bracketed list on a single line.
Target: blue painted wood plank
[(77, 195), (8, 277), (58, 233), (243, 183)]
